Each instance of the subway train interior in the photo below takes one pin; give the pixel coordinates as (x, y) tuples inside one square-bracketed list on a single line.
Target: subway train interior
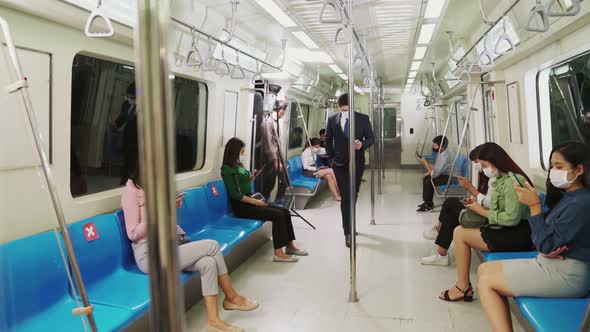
[(471, 122)]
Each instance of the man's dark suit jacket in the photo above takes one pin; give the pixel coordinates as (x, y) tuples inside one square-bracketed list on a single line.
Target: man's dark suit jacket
[(337, 142)]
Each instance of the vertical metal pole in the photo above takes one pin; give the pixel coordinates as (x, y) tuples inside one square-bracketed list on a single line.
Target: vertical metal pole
[(21, 88), (156, 143), (373, 150), (382, 110), (352, 158), (379, 141)]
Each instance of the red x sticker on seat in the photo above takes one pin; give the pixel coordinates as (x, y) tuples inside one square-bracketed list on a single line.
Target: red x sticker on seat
[(214, 190), (90, 232)]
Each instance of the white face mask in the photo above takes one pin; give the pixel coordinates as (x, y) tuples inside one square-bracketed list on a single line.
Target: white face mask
[(559, 179), (315, 150), (490, 173), (241, 159), (477, 167)]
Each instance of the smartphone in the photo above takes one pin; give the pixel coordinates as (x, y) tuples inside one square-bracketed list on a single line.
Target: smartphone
[(517, 179)]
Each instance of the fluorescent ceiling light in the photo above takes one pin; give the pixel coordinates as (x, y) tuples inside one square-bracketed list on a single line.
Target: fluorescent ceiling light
[(412, 74), (343, 76), (416, 65), (304, 38), (434, 8), (335, 69), (280, 76), (420, 52), (426, 33), (306, 55), (273, 9)]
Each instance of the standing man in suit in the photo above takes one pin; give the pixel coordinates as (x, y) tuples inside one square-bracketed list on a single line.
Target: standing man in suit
[(337, 139)]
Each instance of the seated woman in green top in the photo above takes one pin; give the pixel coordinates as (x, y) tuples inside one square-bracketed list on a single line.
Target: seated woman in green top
[(507, 228), (238, 183)]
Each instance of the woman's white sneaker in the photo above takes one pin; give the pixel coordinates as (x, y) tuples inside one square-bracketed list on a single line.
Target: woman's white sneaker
[(436, 259)]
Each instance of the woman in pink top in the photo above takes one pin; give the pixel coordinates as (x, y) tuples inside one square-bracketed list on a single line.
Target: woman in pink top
[(202, 256)]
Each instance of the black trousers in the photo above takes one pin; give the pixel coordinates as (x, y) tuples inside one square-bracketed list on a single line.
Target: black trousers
[(343, 180), (268, 179), (428, 190), (282, 226), (449, 219)]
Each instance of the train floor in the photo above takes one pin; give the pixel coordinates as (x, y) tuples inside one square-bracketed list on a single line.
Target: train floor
[(396, 293)]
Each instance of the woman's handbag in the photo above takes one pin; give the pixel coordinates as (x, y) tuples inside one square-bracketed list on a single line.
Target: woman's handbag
[(470, 219)]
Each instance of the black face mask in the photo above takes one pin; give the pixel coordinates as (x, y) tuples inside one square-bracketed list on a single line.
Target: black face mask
[(435, 150)]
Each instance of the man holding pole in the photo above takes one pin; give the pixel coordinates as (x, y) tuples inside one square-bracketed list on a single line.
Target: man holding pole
[(337, 140)]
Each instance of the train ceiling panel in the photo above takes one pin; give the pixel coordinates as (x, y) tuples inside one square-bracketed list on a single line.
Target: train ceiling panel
[(390, 26)]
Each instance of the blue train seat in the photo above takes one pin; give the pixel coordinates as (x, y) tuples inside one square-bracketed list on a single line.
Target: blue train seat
[(35, 293), (196, 219), (463, 165), (495, 256), (296, 174), (220, 210), (552, 315), (101, 263)]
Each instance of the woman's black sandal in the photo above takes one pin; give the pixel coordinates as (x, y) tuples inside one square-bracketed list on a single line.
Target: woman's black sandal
[(465, 297)]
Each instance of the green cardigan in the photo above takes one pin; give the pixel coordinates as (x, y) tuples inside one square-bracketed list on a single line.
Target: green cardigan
[(505, 208), (237, 181)]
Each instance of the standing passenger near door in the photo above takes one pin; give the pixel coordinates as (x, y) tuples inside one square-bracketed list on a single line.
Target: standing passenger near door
[(337, 140), (272, 159), (238, 183)]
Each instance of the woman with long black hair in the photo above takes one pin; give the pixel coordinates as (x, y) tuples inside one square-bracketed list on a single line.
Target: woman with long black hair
[(442, 232), (507, 228), (562, 236), (202, 256), (238, 184)]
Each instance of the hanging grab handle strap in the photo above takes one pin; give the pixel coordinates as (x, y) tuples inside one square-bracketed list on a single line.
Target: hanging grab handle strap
[(573, 11), (98, 13), (504, 37), (194, 58), (337, 13), (538, 11), (238, 72), (338, 32)]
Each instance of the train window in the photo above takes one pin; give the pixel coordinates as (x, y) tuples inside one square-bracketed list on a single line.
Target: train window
[(564, 103), (296, 131), (104, 127)]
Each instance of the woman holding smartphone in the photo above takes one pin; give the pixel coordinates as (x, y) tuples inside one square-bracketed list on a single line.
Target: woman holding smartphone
[(442, 233), (507, 228), (199, 256), (562, 236), (238, 182), (310, 169)]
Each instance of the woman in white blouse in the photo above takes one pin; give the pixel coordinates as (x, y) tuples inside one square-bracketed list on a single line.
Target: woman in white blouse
[(311, 169)]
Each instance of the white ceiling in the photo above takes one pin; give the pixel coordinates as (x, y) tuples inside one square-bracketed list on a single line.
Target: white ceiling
[(390, 25)]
